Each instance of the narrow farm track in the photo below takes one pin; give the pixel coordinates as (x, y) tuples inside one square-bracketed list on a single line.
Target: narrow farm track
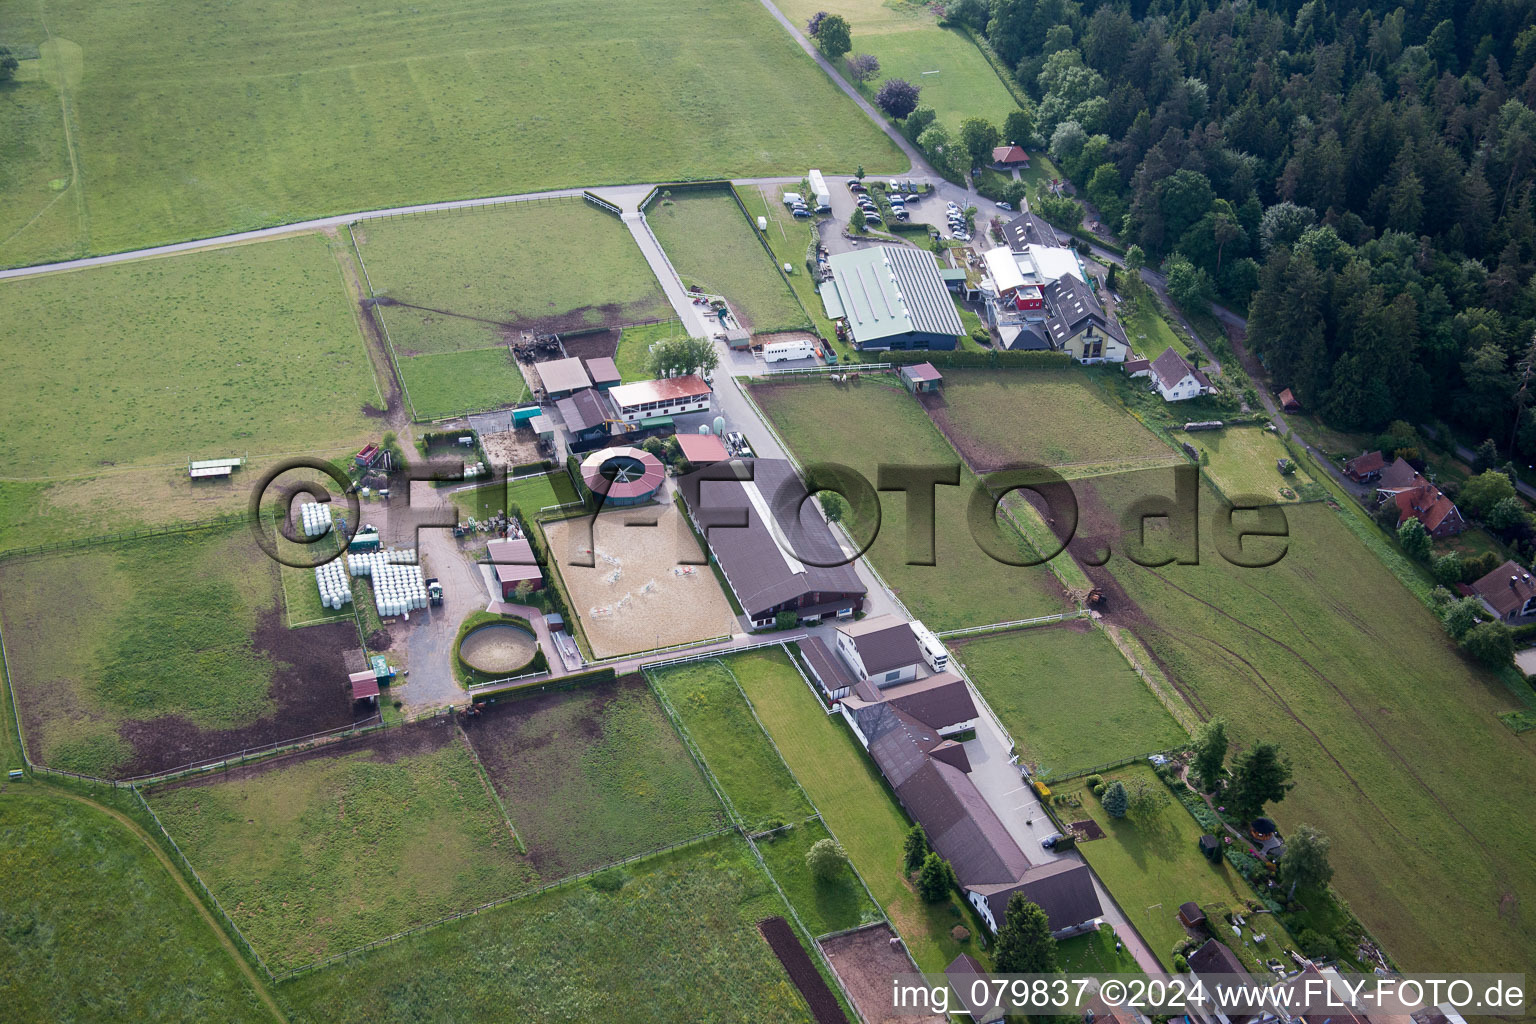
[(1386, 744), (224, 940)]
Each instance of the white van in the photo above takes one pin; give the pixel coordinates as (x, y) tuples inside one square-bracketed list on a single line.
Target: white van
[(791, 198), (781, 350)]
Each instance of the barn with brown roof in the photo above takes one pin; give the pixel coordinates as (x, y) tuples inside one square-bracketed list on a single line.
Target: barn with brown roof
[(1365, 467)]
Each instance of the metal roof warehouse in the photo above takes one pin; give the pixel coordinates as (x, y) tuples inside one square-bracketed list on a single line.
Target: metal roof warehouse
[(892, 297)]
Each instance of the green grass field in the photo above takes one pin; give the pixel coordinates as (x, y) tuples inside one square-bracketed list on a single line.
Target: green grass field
[(1398, 754), (704, 696), (1149, 334), (789, 239), (529, 494), (635, 347), (40, 205), (95, 928), (1068, 697), (245, 350), (167, 631), (667, 939), (956, 80), (1155, 861), (712, 244), (854, 801), (1243, 463), (488, 274), (966, 586), (824, 905), (1059, 418), (1095, 953), (318, 856), (454, 383), (275, 114), (593, 775)]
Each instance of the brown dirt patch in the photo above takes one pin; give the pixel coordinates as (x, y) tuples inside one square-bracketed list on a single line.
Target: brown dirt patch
[(1088, 829), (508, 448), (865, 962), (306, 687), (586, 317), (599, 345), (792, 956), (384, 746)]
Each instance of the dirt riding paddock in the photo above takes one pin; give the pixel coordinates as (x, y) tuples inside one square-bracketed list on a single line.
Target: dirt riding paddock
[(597, 345), (637, 595), (510, 448), (866, 962)]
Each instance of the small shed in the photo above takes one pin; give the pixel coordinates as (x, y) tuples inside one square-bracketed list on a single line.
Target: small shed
[(1210, 848), (604, 373), (921, 378), (1191, 916), (562, 377), (702, 449), (738, 339), (1288, 401), (364, 686), (543, 427)]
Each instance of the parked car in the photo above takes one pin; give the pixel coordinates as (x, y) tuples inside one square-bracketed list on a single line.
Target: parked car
[(1051, 840), (855, 185), (736, 444), (801, 212), (872, 218), (954, 207), (901, 214), (1004, 206)]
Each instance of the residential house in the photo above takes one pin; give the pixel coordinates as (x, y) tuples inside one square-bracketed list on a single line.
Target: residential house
[(1027, 229), (882, 649), (759, 529), (1364, 468), (1509, 593), (1216, 965), (1417, 498), (1008, 157), (1062, 888), (1079, 325), (826, 669), (1172, 377)]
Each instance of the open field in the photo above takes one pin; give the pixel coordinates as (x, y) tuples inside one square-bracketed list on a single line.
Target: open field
[(1057, 418), (40, 202), (96, 928), (593, 775), (713, 245), (716, 717), (453, 383), (853, 799), (670, 938), (1068, 697), (1243, 463), (457, 281), (181, 653), (323, 852), (824, 906), (964, 84), (637, 595), (1155, 861), (789, 238), (528, 494), (965, 586), (1327, 654), (635, 347), (250, 349), (277, 114)]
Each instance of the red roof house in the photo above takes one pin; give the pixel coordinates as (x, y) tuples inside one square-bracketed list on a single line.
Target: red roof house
[(1288, 401), (1010, 156), (1363, 468)]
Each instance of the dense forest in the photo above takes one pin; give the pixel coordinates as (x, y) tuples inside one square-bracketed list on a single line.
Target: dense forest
[(1358, 177)]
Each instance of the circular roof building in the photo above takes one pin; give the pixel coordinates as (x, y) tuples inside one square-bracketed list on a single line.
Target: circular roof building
[(622, 476)]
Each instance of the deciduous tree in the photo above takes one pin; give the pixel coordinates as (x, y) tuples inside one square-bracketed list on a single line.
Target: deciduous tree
[(681, 354), (897, 97), (1414, 539), (1304, 864), (826, 860), (1490, 643), (864, 66), (834, 36)]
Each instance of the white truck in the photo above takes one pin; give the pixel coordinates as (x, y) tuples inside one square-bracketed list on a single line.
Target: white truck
[(934, 652), (819, 192), (780, 350)]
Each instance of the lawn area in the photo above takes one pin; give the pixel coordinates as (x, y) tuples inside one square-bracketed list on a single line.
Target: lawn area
[(495, 272), (320, 854), (236, 351), (1149, 334), (1243, 463), (1157, 861), (761, 790), (965, 586), (1398, 752), (713, 245), (635, 347), (790, 238), (1095, 953), (994, 417), (824, 906), (854, 801), (287, 111), (592, 775), (167, 632), (529, 494), (956, 80), (1068, 697), (40, 204), (454, 383), (95, 928), (670, 938)]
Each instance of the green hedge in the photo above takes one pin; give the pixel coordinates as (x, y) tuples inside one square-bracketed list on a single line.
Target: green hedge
[(468, 675), (960, 359)]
